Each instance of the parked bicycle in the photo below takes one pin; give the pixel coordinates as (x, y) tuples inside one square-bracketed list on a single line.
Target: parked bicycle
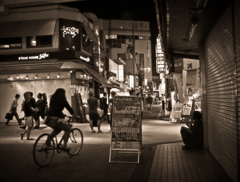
[(43, 154)]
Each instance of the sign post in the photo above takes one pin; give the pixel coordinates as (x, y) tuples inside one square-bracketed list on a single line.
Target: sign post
[(126, 126)]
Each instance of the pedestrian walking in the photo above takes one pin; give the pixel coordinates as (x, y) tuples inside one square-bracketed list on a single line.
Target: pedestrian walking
[(93, 114), (39, 110), (104, 106), (149, 101), (13, 109), (28, 115), (33, 103), (163, 103)]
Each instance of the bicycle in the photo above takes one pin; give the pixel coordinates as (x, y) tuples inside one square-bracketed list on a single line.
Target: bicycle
[(43, 154)]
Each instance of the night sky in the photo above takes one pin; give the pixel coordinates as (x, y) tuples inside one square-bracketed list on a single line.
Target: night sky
[(142, 10)]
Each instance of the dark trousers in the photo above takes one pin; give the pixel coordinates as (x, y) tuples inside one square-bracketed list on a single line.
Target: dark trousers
[(149, 106), (14, 112), (105, 114), (163, 105)]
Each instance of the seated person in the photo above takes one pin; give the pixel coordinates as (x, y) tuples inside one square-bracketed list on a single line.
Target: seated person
[(192, 136)]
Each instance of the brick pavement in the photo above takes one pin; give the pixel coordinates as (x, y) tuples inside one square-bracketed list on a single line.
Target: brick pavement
[(171, 163), (91, 164)]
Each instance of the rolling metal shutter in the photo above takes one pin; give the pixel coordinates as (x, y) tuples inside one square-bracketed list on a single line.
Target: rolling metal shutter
[(220, 94), (237, 46)]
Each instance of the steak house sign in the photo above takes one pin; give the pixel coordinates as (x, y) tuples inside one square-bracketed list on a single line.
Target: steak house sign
[(39, 57)]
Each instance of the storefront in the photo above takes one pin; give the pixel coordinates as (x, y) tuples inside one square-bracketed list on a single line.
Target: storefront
[(53, 53), (184, 88)]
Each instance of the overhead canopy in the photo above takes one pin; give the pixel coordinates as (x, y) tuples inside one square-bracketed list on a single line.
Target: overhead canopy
[(99, 78), (90, 34), (27, 28), (73, 65)]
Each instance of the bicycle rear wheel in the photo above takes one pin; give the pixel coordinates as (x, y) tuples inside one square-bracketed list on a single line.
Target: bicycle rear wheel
[(43, 154), (75, 141)]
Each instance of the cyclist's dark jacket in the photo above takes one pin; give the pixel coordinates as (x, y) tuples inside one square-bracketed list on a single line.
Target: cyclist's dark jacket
[(56, 109)]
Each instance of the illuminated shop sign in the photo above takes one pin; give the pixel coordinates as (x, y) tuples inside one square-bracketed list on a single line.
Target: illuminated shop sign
[(85, 59), (100, 64), (159, 57), (113, 67), (131, 81), (121, 73), (70, 31), (41, 56)]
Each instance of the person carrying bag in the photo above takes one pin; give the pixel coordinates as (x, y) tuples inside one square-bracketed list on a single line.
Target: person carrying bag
[(13, 111), (9, 115)]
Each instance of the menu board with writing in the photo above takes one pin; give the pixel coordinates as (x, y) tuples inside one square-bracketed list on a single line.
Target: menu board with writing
[(126, 122)]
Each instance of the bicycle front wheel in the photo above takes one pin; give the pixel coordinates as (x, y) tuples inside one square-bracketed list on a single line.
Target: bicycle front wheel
[(75, 141), (43, 153)]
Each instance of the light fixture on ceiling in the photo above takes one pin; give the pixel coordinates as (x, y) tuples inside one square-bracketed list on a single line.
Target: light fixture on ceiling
[(17, 77), (36, 76), (70, 71), (26, 77), (191, 28), (58, 75), (8, 78), (48, 76)]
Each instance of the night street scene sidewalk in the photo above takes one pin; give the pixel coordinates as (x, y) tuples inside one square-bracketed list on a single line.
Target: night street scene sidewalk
[(162, 158), (120, 90)]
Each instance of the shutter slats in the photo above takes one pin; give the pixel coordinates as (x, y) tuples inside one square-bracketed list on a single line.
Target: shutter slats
[(220, 93)]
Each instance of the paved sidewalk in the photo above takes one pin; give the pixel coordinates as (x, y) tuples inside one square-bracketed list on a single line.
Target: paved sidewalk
[(171, 163), (91, 164)]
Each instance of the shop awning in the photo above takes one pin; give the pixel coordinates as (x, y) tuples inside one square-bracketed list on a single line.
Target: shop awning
[(99, 78), (73, 65), (90, 34), (27, 28)]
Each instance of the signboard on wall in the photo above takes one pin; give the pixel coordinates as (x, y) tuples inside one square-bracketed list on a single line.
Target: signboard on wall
[(159, 57), (121, 73), (69, 34), (189, 64), (113, 67), (39, 56), (83, 57)]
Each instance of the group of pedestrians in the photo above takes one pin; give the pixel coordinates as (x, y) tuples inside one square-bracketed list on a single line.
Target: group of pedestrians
[(95, 119), (32, 110)]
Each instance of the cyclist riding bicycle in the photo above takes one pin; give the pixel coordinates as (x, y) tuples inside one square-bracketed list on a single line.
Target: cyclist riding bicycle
[(58, 102)]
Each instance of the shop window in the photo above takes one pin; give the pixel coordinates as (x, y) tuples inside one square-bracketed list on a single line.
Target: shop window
[(113, 43), (87, 44), (39, 41), (11, 43), (113, 36)]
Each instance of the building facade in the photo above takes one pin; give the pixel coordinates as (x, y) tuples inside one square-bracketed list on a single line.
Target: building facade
[(48, 47), (117, 40)]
